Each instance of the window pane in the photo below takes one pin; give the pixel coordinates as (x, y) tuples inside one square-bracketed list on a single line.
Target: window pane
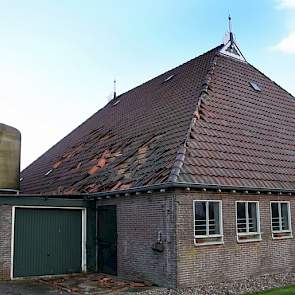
[(214, 222), (252, 213), (275, 216), (285, 216), (200, 218), (241, 217)]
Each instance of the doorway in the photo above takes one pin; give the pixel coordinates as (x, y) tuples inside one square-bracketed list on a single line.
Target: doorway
[(107, 239)]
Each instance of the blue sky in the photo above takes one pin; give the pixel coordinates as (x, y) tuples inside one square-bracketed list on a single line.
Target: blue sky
[(59, 57)]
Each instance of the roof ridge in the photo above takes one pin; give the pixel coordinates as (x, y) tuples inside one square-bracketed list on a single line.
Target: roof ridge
[(204, 94)]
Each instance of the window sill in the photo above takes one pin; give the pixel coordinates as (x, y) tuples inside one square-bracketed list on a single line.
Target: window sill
[(249, 238), (249, 241), (209, 240), (283, 237), (208, 243)]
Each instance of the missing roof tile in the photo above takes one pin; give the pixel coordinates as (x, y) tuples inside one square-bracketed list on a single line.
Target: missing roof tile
[(255, 86)]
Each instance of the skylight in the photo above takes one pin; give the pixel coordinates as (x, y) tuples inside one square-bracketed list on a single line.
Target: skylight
[(48, 172), (169, 78), (116, 102), (255, 86)]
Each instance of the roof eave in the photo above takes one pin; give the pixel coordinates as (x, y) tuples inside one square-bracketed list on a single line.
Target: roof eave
[(163, 188), (189, 186)]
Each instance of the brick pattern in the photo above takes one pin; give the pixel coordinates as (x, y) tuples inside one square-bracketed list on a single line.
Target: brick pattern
[(232, 260), (139, 220), (5, 241)]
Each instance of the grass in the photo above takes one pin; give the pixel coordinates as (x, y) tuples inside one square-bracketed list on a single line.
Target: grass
[(285, 291)]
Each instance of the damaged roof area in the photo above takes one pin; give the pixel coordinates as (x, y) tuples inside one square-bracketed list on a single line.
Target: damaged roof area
[(200, 123), (129, 144)]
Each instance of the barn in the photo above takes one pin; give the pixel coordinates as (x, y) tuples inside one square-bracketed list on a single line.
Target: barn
[(186, 179)]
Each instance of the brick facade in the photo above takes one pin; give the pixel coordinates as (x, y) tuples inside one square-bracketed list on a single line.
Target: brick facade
[(139, 221), (231, 260), (5, 242), (141, 218)]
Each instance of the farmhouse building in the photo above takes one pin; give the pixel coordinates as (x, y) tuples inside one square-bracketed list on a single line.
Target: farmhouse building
[(185, 179)]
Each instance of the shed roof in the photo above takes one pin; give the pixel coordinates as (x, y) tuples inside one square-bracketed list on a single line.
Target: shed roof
[(202, 122)]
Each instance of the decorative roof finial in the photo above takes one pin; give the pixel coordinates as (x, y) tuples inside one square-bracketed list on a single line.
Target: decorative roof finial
[(115, 89), (230, 46), (231, 36)]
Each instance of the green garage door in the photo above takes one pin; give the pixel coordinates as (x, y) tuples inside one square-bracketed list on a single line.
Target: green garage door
[(47, 242)]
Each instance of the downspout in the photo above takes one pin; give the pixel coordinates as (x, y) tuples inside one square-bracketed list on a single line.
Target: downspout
[(175, 209)]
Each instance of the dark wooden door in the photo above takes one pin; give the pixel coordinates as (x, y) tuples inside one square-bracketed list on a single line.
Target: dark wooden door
[(107, 239)]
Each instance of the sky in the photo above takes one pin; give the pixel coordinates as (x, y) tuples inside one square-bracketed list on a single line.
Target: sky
[(58, 58)]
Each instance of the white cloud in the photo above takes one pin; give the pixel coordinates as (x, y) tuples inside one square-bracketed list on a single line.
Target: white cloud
[(287, 44), (286, 4)]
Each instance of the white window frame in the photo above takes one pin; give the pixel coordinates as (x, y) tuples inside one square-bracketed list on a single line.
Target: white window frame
[(288, 233), (207, 239), (252, 236)]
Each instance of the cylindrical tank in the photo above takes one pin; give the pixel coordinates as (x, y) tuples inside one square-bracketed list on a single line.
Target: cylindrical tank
[(10, 143)]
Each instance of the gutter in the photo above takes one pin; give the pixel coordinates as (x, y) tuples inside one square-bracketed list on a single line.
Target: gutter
[(158, 187), (9, 191), (189, 186), (43, 196)]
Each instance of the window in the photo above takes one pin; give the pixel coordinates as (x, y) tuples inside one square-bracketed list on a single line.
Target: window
[(248, 223), (280, 220), (255, 86), (207, 222), (169, 78)]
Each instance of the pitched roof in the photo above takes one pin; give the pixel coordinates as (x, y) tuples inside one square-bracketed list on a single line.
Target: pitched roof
[(205, 124), (131, 142)]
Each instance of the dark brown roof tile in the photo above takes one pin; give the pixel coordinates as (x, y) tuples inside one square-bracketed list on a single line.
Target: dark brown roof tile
[(131, 143), (206, 125)]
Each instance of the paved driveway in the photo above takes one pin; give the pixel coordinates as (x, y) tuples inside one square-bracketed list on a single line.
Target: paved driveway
[(28, 288)]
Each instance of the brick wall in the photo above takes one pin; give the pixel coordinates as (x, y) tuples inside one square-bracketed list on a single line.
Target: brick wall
[(139, 220), (5, 242), (232, 260)]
